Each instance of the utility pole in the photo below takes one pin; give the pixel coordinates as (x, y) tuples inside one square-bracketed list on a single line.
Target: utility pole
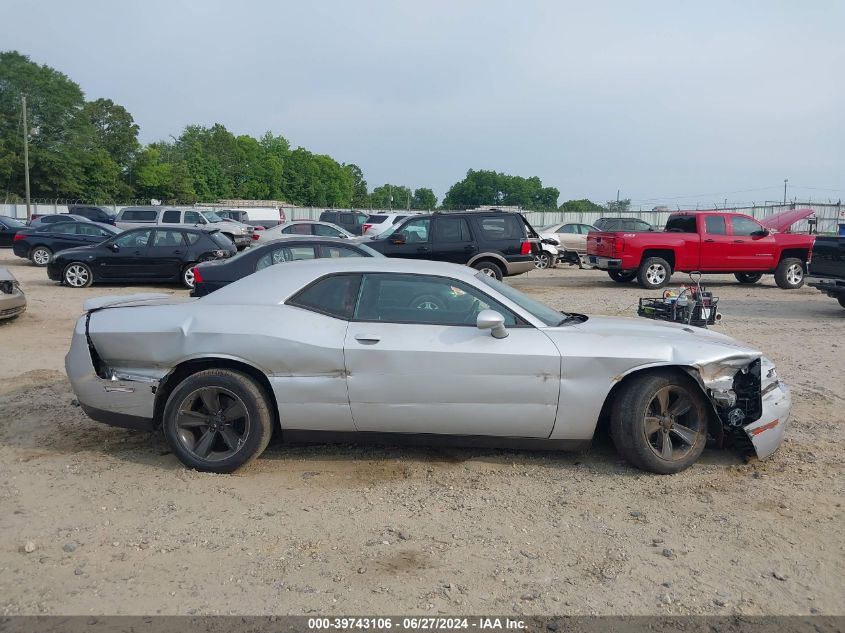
[(26, 158), (785, 180)]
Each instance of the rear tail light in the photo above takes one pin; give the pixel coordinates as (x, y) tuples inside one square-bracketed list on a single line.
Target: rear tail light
[(197, 275), (367, 227), (255, 236), (19, 236), (525, 248)]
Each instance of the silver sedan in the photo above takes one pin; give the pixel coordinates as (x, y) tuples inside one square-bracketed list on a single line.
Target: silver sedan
[(397, 350)]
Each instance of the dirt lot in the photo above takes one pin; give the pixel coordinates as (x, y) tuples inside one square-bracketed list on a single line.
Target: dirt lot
[(115, 525)]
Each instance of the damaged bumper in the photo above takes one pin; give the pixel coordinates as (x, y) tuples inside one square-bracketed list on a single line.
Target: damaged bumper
[(125, 399), (766, 434)]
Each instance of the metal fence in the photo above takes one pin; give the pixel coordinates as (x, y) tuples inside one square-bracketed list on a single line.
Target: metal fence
[(828, 216)]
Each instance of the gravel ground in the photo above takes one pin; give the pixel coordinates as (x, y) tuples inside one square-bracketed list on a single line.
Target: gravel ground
[(106, 521)]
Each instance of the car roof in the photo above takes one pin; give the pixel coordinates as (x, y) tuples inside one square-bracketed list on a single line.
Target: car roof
[(293, 237), (274, 284)]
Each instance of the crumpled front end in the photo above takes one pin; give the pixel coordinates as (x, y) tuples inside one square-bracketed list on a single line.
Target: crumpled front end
[(118, 397), (752, 403)]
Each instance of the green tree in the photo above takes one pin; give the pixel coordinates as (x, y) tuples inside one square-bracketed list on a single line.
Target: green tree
[(390, 197), (619, 206), (359, 185), (581, 206), (423, 198), (493, 188), (113, 130)]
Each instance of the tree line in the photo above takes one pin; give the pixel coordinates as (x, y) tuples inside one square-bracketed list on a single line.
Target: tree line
[(89, 150)]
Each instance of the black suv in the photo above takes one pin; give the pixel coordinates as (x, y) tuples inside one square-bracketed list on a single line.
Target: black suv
[(498, 243), (103, 215), (352, 221)]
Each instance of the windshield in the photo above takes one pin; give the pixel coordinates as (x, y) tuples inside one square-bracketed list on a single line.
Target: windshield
[(12, 222), (212, 217), (547, 315)]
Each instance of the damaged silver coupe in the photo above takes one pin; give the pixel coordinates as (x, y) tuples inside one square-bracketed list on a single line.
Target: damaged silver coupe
[(417, 352)]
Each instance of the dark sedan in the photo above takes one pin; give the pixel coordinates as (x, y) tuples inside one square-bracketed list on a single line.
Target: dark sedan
[(56, 217), (214, 275), (157, 254), (39, 244), (9, 227)]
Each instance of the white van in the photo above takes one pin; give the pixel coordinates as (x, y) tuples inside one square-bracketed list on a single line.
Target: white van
[(254, 216)]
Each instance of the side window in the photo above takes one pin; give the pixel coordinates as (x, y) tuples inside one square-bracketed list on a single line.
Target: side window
[(501, 228), (415, 231), (64, 228), (276, 256), (334, 296), (171, 217), (301, 252), (297, 229), (346, 218), (423, 299), (328, 217), (568, 228), (714, 224), (451, 230), (134, 239), (192, 217), (640, 225), (360, 219), (168, 238), (339, 251), (328, 231), (744, 226), (193, 238), (682, 224), (140, 215), (96, 231)]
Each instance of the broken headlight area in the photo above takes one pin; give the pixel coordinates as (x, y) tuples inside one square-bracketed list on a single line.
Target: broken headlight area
[(736, 388), (9, 287)]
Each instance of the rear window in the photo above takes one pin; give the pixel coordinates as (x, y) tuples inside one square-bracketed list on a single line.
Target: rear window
[(218, 238), (334, 296), (501, 228), (13, 223), (681, 224)]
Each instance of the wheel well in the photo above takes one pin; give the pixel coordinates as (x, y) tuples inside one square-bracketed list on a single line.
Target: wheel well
[(190, 367), (492, 259), (669, 255), (798, 253), (714, 425)]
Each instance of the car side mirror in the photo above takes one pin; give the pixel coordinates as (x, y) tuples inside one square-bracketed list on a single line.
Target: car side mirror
[(493, 321), (114, 248), (397, 238), (760, 233)]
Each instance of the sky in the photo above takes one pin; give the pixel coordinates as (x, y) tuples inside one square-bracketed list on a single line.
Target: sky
[(677, 103)]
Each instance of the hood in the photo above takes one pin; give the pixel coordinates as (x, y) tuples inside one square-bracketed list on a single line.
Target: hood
[(76, 250), (649, 341), (781, 221)]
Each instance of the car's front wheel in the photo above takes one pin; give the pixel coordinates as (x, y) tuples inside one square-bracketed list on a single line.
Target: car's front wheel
[(790, 274), (40, 255), (542, 260), (748, 278), (621, 277), (78, 275), (659, 422), (217, 420)]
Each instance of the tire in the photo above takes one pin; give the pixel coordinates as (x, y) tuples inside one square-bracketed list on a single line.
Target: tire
[(790, 274), (542, 260), (187, 277), (748, 278), (40, 256), (841, 300), (77, 275), (489, 268), (654, 273), (621, 277), (427, 302), (225, 420), (640, 426)]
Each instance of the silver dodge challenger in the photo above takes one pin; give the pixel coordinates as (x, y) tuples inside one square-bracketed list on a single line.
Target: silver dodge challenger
[(393, 350)]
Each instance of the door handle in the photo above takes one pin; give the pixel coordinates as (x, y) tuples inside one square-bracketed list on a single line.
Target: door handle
[(709, 241), (469, 248), (177, 252), (422, 249), (367, 339), (739, 241)]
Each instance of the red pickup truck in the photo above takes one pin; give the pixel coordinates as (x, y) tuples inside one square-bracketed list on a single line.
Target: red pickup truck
[(708, 242)]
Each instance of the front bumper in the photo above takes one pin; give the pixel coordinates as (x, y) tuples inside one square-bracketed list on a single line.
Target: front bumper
[(604, 263), (766, 434), (12, 305), (831, 286), (127, 401)]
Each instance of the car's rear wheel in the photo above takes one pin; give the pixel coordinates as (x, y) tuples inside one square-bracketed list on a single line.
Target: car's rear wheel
[(622, 277), (217, 420), (489, 268), (659, 422), (40, 255), (748, 278), (790, 274), (654, 273), (78, 275), (542, 260), (188, 279)]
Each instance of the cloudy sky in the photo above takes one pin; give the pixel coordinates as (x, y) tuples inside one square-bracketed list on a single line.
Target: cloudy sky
[(670, 102)]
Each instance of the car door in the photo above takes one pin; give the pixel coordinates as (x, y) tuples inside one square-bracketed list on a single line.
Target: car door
[(165, 254), (412, 240), (753, 248), (124, 256), (715, 250), (451, 240), (88, 233), (417, 363), (62, 235), (568, 237)]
